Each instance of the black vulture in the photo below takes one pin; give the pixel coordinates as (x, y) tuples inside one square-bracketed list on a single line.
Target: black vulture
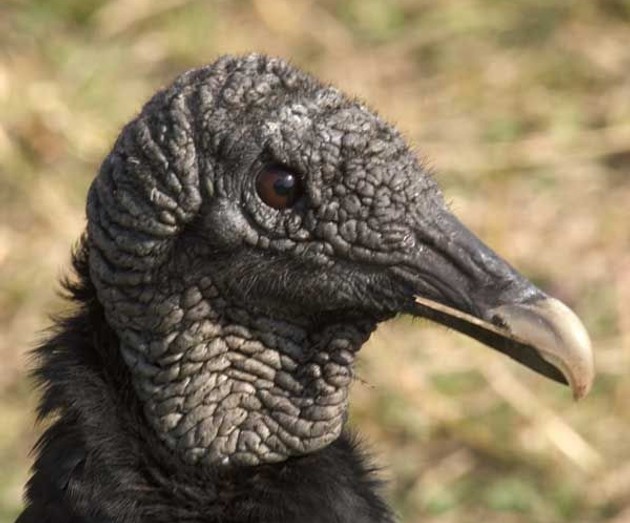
[(245, 235)]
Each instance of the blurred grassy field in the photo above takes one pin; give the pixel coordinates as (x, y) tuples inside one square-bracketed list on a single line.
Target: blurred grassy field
[(522, 107)]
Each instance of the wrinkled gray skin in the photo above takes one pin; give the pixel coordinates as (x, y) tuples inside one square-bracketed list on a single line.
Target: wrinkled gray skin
[(239, 322)]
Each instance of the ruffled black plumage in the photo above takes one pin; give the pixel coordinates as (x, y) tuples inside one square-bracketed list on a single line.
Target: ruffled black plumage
[(98, 462)]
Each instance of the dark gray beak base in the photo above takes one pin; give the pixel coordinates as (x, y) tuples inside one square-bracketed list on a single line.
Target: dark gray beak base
[(456, 280)]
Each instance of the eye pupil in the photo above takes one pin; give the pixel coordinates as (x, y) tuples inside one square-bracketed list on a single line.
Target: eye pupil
[(284, 185), (278, 187)]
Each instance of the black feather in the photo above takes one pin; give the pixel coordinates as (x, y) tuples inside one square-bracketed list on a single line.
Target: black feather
[(99, 463)]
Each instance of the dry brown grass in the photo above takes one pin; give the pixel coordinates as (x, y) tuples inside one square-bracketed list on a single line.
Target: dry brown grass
[(524, 110)]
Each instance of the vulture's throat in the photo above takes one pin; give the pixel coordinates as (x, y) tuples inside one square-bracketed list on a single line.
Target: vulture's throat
[(220, 385)]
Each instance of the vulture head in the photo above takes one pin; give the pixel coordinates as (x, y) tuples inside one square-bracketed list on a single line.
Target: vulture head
[(247, 233)]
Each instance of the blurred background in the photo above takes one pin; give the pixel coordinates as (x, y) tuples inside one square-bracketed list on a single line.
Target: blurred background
[(523, 109)]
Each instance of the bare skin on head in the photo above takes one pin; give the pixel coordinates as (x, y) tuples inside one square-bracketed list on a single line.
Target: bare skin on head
[(247, 233)]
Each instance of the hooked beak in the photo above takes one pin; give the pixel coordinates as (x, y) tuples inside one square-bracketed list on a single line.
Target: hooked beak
[(544, 335), (457, 281)]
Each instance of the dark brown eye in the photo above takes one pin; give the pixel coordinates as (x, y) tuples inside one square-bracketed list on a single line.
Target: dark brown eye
[(278, 187)]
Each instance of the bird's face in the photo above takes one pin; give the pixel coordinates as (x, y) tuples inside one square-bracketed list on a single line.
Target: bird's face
[(250, 229), (312, 203)]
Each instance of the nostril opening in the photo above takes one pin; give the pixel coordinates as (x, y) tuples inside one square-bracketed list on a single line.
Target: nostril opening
[(498, 321)]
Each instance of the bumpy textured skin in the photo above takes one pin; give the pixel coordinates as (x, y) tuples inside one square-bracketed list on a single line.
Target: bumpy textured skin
[(197, 275), (99, 462), (205, 375)]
